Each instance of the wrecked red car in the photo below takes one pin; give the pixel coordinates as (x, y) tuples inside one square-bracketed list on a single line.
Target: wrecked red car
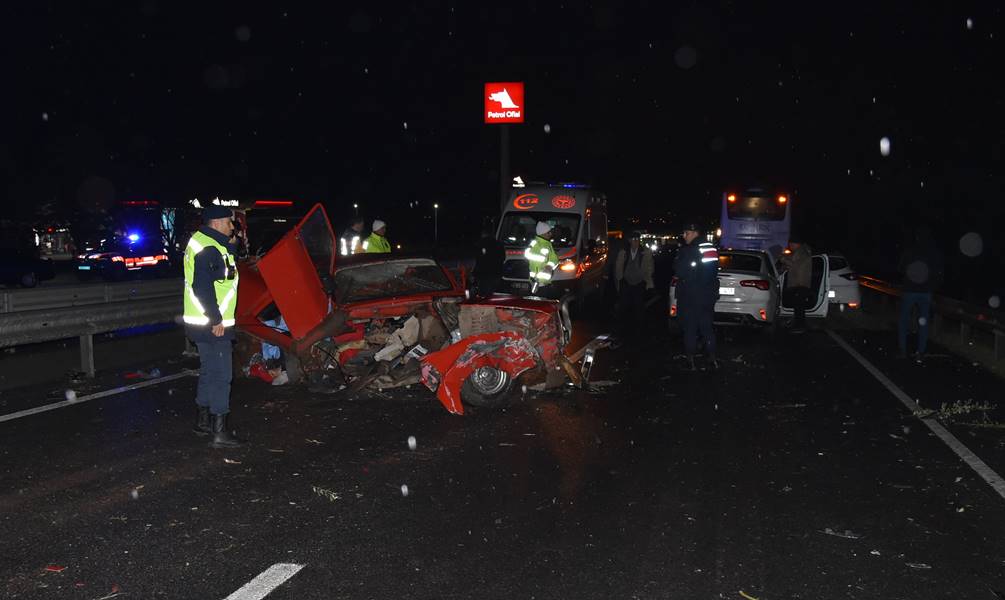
[(388, 320)]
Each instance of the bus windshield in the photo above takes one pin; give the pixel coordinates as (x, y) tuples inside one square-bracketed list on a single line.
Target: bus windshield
[(762, 208), (518, 229)]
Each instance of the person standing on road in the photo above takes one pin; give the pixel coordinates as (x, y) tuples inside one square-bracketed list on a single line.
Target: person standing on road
[(922, 268), (799, 265), (210, 298), (541, 257), (352, 238), (633, 277), (696, 269), (377, 242), (488, 264)]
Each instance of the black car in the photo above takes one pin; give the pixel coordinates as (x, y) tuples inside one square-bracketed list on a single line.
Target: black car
[(23, 267), (121, 258)]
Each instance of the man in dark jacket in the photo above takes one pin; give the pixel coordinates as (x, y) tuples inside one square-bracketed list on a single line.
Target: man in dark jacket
[(696, 269), (488, 263), (210, 299), (921, 268)]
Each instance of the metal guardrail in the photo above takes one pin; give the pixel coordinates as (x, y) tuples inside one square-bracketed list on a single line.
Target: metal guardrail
[(87, 294), (43, 315), (968, 316)]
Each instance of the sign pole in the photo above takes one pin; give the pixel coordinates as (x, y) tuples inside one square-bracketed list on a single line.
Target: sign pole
[(504, 177)]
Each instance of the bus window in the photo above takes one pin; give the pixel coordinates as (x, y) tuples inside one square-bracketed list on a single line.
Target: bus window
[(757, 207)]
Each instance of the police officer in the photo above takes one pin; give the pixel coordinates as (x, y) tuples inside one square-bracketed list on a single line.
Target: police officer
[(351, 241), (210, 298), (696, 268), (377, 243), (541, 257)]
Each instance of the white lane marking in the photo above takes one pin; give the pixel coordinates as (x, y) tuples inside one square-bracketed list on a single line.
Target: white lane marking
[(979, 466), (268, 580), (95, 396)]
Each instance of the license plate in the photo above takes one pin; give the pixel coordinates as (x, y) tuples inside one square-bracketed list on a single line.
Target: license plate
[(84, 267), (727, 291), (521, 285)]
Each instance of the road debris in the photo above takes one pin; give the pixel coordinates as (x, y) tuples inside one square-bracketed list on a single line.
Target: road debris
[(747, 596), (411, 442), (919, 565), (55, 568), (315, 442), (230, 461), (404, 490), (847, 533), (325, 493)]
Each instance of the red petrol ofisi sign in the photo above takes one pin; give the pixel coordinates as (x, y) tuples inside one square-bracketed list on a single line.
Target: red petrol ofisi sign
[(504, 102)]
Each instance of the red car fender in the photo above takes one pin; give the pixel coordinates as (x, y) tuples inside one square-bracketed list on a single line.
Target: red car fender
[(445, 370)]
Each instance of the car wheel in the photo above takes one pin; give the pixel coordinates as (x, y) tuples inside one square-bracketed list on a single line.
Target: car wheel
[(29, 279), (487, 387)]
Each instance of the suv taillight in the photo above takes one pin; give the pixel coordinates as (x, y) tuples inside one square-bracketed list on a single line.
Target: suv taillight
[(760, 284), (673, 281)]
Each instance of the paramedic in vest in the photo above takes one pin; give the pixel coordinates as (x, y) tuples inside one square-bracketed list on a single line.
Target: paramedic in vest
[(541, 257), (351, 241), (377, 243), (633, 276), (696, 269), (210, 299)]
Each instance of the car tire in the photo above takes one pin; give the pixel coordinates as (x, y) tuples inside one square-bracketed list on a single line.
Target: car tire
[(487, 387), (29, 279)]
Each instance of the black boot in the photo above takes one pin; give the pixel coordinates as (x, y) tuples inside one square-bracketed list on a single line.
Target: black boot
[(222, 437), (202, 426)]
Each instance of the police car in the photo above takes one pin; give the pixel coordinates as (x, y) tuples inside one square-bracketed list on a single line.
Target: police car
[(121, 257)]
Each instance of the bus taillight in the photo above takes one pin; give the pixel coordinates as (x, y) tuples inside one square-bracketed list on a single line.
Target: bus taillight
[(782, 199), (731, 197)]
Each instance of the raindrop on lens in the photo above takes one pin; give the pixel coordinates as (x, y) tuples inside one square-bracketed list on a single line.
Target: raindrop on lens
[(547, 128), (404, 490), (134, 494), (45, 116), (405, 125), (970, 23), (994, 302), (884, 146), (972, 244), (411, 442), (242, 33), (922, 321), (71, 395)]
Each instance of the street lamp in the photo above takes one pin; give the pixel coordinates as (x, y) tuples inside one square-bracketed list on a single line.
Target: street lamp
[(436, 228), (355, 208)]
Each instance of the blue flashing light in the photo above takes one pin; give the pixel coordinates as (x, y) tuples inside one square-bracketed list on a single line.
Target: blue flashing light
[(133, 237)]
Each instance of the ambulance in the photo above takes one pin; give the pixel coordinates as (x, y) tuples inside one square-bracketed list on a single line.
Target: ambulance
[(578, 216)]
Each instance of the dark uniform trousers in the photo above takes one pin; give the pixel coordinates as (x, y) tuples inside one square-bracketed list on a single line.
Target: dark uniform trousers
[(696, 321)]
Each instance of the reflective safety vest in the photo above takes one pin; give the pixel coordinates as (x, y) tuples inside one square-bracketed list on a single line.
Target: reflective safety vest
[(376, 243), (541, 260), (226, 288), (349, 245)]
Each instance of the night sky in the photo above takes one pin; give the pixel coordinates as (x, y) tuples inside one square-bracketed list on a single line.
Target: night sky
[(662, 105)]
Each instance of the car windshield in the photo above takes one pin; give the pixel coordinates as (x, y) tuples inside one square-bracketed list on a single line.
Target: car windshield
[(729, 261), (518, 229), (388, 279)]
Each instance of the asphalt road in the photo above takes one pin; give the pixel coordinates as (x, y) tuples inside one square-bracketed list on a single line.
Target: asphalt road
[(789, 473)]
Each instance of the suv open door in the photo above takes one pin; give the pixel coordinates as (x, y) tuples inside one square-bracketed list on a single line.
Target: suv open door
[(819, 286)]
